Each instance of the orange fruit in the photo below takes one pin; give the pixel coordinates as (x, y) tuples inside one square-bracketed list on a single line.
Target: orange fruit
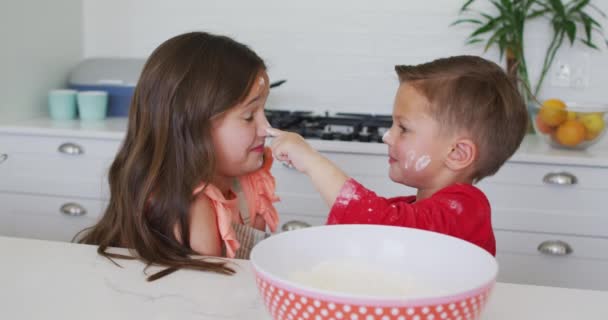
[(557, 103), (571, 115), (542, 127), (592, 135), (570, 133), (552, 116)]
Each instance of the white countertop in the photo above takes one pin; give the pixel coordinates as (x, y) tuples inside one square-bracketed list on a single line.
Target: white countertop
[(533, 149), (44, 279)]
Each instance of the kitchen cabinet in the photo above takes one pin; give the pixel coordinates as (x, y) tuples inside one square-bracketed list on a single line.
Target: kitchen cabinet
[(548, 208), (53, 178)]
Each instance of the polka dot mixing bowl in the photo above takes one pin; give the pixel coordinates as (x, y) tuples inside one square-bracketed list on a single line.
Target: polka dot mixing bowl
[(366, 272)]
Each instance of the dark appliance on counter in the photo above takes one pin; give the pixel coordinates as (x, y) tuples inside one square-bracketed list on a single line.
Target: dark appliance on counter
[(359, 127)]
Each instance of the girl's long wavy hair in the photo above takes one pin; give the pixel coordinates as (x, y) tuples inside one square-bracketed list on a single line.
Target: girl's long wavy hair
[(168, 150)]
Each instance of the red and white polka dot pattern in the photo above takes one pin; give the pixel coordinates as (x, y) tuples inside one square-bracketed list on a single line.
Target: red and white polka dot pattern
[(286, 305)]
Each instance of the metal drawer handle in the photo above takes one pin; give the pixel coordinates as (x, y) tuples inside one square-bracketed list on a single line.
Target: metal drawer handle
[(73, 209), (555, 248), (294, 225), (3, 157), (560, 178), (71, 149)]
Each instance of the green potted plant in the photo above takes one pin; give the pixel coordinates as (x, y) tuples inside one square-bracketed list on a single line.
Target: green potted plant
[(505, 26)]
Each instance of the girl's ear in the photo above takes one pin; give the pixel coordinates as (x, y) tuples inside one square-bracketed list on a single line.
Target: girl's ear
[(462, 155)]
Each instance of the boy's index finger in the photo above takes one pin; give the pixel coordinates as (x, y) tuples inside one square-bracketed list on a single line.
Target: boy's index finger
[(273, 132)]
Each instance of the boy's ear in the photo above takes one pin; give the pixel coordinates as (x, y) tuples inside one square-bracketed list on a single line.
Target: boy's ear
[(462, 155)]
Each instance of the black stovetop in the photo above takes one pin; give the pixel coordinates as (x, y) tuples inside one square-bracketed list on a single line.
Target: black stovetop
[(340, 126)]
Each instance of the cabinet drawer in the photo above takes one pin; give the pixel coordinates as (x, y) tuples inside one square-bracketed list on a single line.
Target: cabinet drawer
[(290, 218), (290, 180), (548, 209), (371, 171), (302, 204), (522, 200), (39, 144), (360, 165), (531, 174), (564, 222), (43, 217), (55, 175), (384, 186), (35, 165), (520, 261)]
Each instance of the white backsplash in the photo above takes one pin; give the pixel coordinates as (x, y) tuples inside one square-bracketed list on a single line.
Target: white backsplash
[(337, 55), (41, 41)]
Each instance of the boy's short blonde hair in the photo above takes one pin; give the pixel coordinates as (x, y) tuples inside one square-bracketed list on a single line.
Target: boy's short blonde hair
[(471, 94)]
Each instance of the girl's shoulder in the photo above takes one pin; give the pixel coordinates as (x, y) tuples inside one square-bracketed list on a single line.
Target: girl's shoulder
[(204, 234)]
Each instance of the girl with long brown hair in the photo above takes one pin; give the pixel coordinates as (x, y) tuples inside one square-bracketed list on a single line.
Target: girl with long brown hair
[(195, 137)]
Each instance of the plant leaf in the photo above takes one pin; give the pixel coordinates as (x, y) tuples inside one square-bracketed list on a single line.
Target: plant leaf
[(485, 28), (558, 7), (570, 28), (536, 13), (474, 40), (466, 5), (586, 24), (543, 5), (460, 21), (497, 37), (589, 43), (593, 22), (504, 13), (576, 7), (487, 16)]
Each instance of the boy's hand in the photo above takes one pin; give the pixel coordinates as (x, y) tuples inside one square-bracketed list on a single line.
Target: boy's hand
[(292, 149), (327, 178)]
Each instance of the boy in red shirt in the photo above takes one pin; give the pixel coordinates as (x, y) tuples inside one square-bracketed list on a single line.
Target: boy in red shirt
[(455, 121)]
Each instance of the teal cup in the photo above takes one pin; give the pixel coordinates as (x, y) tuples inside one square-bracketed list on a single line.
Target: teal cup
[(62, 104), (92, 105)]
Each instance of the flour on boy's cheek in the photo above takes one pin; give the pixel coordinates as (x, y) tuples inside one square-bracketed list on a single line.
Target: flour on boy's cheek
[(410, 156), (422, 163)]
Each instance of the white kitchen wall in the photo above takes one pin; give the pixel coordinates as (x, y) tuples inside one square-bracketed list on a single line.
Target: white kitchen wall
[(41, 41), (337, 55)]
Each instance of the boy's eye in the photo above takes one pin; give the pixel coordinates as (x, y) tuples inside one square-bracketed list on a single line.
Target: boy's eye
[(402, 128)]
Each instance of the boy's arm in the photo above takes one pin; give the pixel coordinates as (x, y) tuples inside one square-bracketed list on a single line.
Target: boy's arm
[(461, 211), (327, 178)]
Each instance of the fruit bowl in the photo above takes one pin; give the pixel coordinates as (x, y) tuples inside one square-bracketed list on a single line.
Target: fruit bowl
[(369, 272), (570, 125)]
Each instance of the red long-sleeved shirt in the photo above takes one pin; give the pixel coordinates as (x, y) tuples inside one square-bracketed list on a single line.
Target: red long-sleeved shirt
[(460, 210)]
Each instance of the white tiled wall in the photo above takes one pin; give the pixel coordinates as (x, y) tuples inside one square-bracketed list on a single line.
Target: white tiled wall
[(336, 54)]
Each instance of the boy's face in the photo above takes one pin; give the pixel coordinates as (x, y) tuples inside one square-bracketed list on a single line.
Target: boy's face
[(415, 147), (239, 134)]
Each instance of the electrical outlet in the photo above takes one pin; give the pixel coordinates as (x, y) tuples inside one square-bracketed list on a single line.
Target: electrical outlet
[(571, 73), (561, 74), (580, 73)]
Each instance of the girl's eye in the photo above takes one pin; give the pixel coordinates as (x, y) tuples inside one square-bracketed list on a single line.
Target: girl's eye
[(249, 118)]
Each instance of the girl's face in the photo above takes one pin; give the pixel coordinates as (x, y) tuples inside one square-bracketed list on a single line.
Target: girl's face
[(416, 149), (239, 134)]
